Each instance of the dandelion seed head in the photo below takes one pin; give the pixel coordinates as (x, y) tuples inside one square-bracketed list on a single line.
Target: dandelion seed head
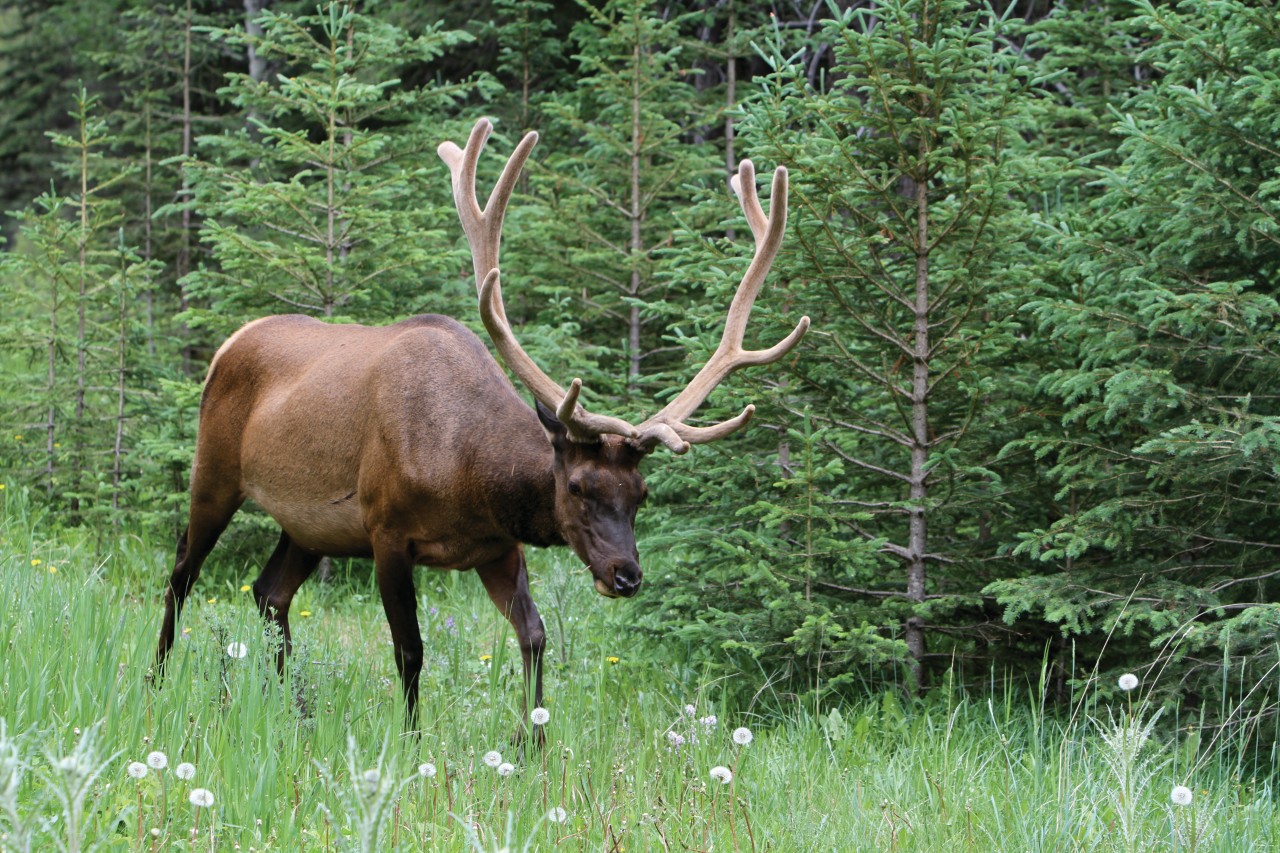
[(1180, 795), (427, 770), (722, 774), (557, 815), (201, 797), (185, 770), (369, 780), (1128, 681), (237, 650), (539, 716), (492, 758), (136, 769), (742, 736), (506, 768)]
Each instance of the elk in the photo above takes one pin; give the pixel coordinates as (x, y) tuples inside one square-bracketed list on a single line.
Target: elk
[(409, 444)]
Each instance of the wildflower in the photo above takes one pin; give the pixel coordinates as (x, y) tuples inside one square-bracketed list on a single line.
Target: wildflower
[(370, 779), (539, 716), (35, 561), (185, 770), (448, 623), (722, 774), (675, 739), (690, 710), (506, 768), (69, 765), (1128, 681), (742, 736), (427, 770), (305, 613), (17, 438), (1180, 795), (612, 659), (53, 570), (136, 769), (1, 487), (244, 587), (237, 650), (186, 631), (709, 721), (213, 600), (201, 797), (485, 658), (493, 758), (557, 815), (157, 760)]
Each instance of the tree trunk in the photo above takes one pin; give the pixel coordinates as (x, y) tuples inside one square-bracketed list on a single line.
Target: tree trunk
[(917, 538)]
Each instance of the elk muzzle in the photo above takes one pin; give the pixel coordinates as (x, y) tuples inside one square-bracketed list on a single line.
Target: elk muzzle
[(619, 579)]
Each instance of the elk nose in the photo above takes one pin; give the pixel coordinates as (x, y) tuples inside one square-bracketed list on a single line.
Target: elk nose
[(626, 580)]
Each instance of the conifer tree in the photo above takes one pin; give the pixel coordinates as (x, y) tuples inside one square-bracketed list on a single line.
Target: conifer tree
[(317, 206), (905, 248)]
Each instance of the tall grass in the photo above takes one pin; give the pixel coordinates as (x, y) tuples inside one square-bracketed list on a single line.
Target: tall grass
[(630, 742)]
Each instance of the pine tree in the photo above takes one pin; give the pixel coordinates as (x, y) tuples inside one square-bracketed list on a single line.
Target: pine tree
[(906, 248), (1165, 453), (318, 205)]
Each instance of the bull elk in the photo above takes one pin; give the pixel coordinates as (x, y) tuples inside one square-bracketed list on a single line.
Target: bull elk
[(409, 444)]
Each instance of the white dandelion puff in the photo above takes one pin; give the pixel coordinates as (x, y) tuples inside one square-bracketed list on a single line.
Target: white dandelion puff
[(723, 774), (237, 650), (427, 770), (539, 716), (492, 758), (186, 770), (157, 760), (1128, 681), (137, 769), (742, 736), (201, 797), (506, 768), (1180, 795), (557, 815)]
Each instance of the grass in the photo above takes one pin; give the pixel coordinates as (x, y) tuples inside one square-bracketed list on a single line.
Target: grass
[(955, 773)]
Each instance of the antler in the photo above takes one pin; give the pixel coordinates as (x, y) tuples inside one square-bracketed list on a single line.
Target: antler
[(667, 427), (484, 234)]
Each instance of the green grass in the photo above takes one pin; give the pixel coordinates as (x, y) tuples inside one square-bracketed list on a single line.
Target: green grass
[(956, 773)]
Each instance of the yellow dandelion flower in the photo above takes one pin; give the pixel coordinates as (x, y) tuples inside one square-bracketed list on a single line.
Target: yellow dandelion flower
[(55, 444), (305, 613), (612, 659), (486, 658), (35, 561), (53, 570), (1, 487), (17, 438), (213, 600), (186, 630), (244, 587)]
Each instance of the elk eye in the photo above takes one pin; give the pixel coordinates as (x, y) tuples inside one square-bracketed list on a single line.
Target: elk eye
[(575, 488)]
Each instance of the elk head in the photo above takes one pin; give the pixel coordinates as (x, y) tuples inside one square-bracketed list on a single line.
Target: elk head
[(598, 487)]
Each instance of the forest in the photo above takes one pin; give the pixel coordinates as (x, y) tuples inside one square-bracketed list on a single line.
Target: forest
[(1033, 429), (995, 565)]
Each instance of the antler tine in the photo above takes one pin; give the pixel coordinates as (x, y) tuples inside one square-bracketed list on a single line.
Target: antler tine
[(582, 425), (483, 228), (667, 426)]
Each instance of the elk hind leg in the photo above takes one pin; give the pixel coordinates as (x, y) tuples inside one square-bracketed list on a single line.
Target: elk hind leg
[(286, 570), (210, 514), (507, 582)]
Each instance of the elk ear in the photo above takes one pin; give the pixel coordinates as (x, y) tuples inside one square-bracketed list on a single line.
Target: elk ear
[(551, 425)]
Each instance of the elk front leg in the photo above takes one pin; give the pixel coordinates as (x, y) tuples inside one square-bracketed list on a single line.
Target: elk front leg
[(393, 568), (507, 583)]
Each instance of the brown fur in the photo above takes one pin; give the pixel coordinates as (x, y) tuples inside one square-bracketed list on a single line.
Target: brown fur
[(406, 443)]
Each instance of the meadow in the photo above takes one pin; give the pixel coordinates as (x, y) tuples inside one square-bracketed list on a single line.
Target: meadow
[(228, 756)]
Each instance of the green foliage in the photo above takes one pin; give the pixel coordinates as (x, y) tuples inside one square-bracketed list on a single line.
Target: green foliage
[(318, 204), (906, 244), (1165, 457)]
